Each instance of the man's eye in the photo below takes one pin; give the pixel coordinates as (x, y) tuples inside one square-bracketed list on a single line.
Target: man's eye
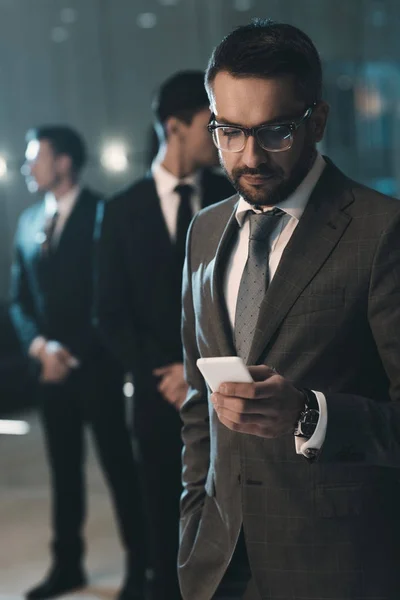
[(230, 132)]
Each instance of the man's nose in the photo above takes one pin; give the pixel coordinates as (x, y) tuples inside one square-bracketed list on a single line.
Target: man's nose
[(253, 154)]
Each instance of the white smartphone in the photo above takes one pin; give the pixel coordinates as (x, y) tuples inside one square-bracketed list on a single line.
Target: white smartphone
[(223, 369)]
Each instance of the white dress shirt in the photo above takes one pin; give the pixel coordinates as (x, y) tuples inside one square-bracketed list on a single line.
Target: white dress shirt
[(293, 207), (64, 207), (169, 199)]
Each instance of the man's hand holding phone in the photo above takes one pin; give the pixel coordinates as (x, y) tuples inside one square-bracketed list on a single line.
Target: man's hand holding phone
[(269, 406)]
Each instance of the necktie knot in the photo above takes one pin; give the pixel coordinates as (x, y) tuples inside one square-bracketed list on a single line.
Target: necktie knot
[(263, 224), (185, 191)]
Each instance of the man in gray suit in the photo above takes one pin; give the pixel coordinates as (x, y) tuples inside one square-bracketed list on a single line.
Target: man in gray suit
[(291, 482)]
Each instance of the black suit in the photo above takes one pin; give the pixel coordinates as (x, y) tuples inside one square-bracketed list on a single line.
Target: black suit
[(52, 296), (139, 313)]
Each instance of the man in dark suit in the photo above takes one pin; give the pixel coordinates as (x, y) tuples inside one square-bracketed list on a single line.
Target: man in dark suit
[(81, 383), (141, 254), (291, 482)]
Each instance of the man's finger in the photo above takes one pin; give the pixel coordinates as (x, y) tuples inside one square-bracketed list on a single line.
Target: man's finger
[(242, 405), (161, 371), (236, 417), (63, 356), (251, 391), (73, 362), (162, 387), (172, 397), (261, 372)]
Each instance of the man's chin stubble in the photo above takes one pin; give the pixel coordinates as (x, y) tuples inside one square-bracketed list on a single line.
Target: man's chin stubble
[(262, 198)]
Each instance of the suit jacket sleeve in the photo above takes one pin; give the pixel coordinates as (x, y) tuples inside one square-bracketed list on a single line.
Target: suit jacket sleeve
[(112, 310), (22, 305), (194, 412), (362, 429)]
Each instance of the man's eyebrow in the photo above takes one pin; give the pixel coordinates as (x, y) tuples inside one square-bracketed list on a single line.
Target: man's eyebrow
[(277, 120)]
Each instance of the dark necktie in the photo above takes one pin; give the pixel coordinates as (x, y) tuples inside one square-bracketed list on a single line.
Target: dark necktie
[(255, 279), (48, 233), (185, 215)]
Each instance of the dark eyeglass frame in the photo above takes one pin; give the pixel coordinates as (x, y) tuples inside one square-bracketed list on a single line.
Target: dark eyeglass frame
[(292, 127)]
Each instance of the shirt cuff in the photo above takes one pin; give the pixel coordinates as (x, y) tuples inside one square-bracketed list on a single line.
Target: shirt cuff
[(310, 447), (37, 346)]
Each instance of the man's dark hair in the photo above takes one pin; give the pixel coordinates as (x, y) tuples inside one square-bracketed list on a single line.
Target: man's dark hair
[(268, 49), (63, 140), (182, 96)]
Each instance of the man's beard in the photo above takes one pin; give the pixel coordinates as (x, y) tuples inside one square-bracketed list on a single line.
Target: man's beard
[(283, 188)]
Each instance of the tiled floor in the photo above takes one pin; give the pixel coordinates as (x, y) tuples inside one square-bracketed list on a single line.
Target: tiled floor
[(24, 516)]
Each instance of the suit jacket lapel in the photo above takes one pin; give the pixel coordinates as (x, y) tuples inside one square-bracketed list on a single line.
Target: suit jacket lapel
[(223, 335), (159, 229), (149, 222), (42, 261), (71, 226), (205, 189), (39, 223), (316, 235), (214, 188), (209, 189)]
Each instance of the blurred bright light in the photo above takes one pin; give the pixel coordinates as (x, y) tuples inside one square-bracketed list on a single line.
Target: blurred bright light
[(128, 389), (14, 427), (32, 185), (370, 102), (242, 5), (147, 20), (25, 171), (115, 157), (168, 2), (59, 34), (68, 15), (3, 167), (32, 150)]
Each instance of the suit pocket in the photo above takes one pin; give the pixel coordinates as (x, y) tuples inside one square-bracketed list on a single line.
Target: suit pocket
[(338, 500), (311, 303)]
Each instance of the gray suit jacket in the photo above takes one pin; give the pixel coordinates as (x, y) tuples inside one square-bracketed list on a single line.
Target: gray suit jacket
[(330, 321)]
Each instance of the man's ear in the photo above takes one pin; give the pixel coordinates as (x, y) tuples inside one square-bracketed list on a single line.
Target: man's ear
[(319, 119), (172, 126), (64, 163)]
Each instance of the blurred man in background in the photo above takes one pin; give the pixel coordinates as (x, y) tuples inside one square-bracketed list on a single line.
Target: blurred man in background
[(141, 254), (80, 382)]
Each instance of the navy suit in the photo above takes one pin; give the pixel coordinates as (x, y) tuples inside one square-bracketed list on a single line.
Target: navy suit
[(52, 296)]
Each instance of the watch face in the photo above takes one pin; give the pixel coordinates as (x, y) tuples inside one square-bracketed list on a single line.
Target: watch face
[(309, 422), (307, 429)]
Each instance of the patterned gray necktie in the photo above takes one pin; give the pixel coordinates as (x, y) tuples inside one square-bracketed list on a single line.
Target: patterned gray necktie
[(255, 279)]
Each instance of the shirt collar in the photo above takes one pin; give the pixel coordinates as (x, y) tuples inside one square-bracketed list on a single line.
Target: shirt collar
[(64, 204), (295, 204), (166, 182)]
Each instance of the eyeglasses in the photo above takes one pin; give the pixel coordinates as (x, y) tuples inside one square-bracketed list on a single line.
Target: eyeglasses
[(273, 138)]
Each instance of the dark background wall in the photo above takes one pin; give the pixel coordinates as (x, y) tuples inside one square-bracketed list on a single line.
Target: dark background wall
[(95, 63)]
